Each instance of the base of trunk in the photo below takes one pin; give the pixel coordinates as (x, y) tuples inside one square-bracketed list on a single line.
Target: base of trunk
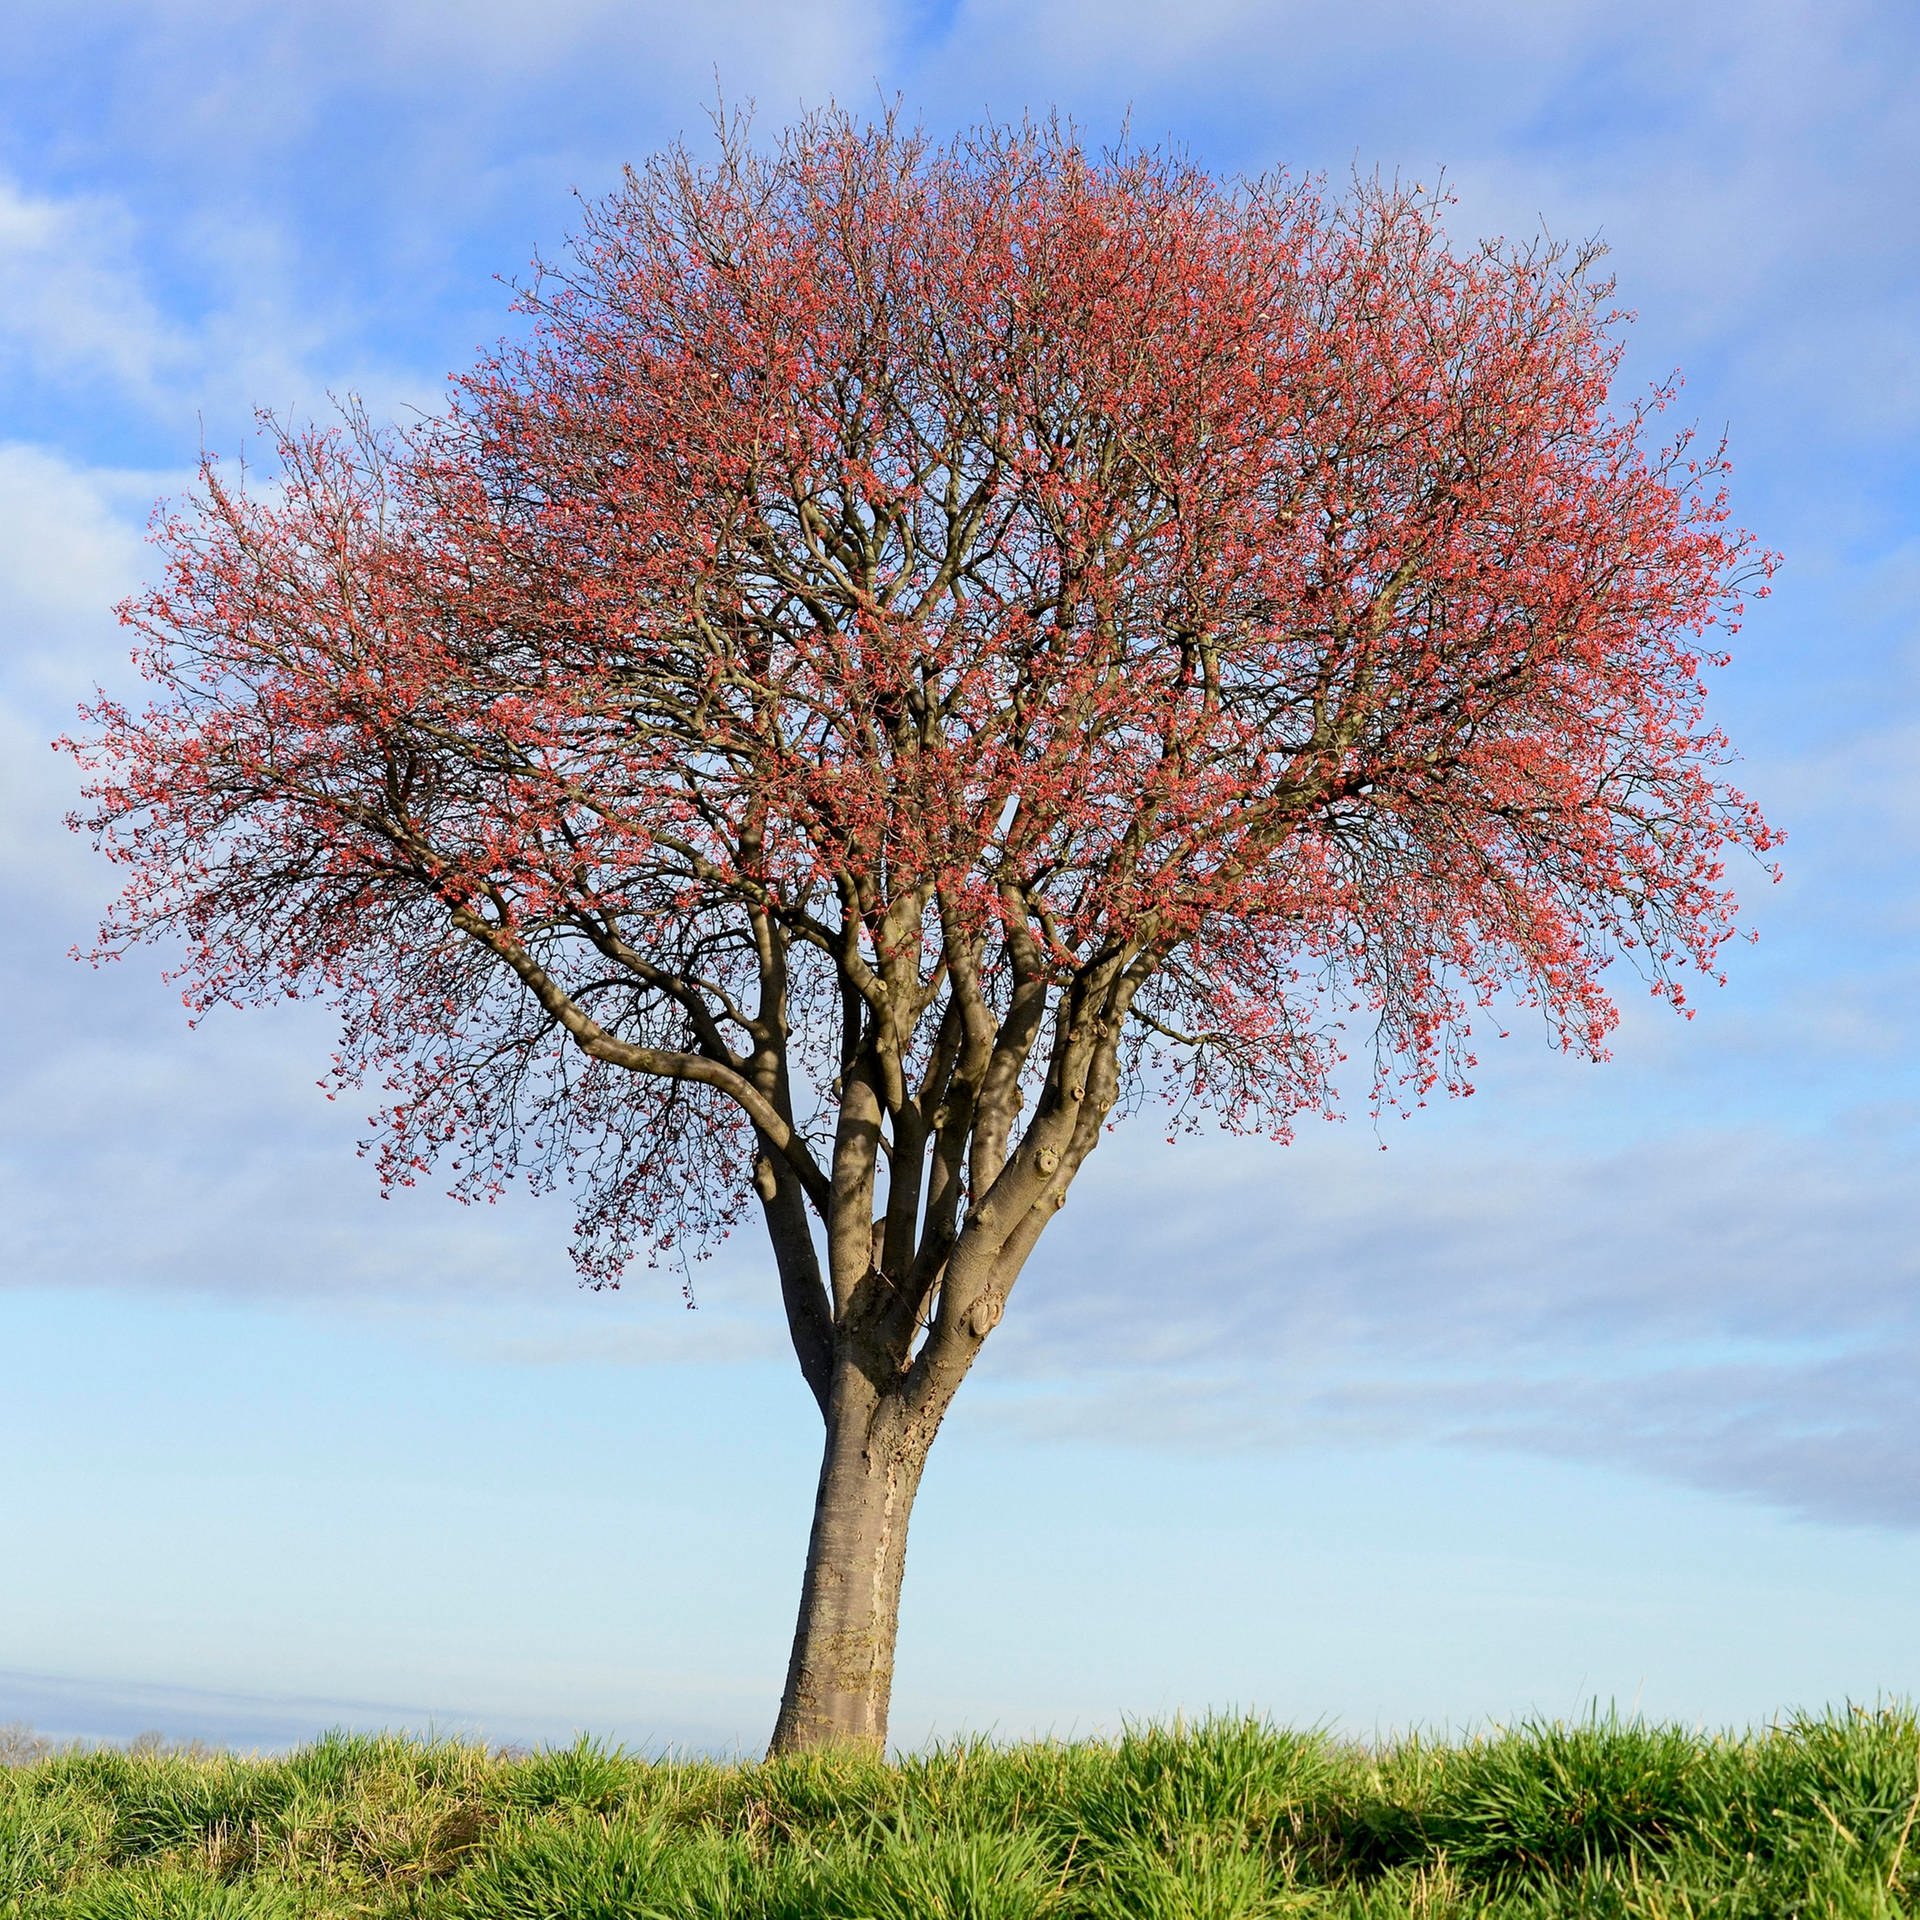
[(840, 1676)]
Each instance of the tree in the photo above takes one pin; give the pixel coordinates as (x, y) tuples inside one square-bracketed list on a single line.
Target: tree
[(911, 651)]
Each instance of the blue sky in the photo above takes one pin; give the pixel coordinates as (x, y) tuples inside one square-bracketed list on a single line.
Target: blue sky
[(1604, 1385)]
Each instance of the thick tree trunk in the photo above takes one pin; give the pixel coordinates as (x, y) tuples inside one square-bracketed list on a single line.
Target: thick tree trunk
[(840, 1675)]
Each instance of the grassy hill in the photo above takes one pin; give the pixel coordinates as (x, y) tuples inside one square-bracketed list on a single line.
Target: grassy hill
[(1225, 1821)]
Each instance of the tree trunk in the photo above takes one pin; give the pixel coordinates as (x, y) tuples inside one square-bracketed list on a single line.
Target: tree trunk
[(840, 1675)]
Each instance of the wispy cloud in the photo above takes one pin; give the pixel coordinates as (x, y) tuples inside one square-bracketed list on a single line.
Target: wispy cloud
[(76, 306), (196, 91), (1733, 1309)]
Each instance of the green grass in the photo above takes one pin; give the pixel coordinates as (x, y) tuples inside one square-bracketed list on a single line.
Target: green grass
[(1230, 1820)]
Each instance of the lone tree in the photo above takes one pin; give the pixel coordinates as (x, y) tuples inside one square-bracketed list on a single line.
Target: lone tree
[(910, 651)]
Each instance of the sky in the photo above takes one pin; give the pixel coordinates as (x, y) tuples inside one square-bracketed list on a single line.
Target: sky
[(1602, 1387)]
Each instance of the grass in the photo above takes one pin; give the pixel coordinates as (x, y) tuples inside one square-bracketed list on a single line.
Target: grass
[(1229, 1820)]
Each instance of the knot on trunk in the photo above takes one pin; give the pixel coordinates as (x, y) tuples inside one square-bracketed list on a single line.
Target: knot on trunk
[(1046, 1159), (985, 1315)]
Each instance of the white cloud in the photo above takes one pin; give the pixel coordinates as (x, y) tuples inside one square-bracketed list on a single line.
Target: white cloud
[(70, 548), (89, 315), (75, 306), (248, 81), (808, 46)]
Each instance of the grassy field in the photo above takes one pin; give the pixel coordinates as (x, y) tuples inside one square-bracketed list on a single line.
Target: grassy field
[(1225, 1821)]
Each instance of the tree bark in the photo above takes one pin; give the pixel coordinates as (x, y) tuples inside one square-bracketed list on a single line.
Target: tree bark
[(840, 1674)]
